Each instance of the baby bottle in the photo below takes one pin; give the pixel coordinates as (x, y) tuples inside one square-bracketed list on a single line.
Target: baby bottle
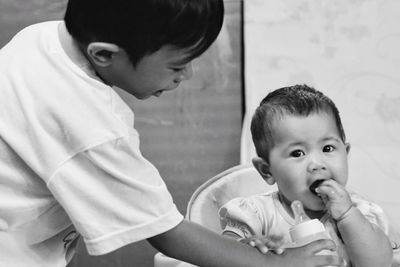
[(306, 230)]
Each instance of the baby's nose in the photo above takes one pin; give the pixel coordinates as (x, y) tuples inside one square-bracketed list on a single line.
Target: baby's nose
[(316, 164)]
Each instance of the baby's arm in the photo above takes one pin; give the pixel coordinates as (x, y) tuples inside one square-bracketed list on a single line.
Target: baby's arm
[(366, 244)]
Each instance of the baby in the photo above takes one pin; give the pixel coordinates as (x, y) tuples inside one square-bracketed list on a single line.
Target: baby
[(301, 146)]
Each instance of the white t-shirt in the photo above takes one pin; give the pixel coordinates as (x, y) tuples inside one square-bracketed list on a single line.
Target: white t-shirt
[(69, 159)]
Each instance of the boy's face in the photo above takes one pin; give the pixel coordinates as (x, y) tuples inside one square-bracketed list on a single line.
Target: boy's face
[(307, 149), (161, 71)]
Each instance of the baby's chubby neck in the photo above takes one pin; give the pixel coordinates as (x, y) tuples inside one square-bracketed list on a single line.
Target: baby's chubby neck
[(313, 214)]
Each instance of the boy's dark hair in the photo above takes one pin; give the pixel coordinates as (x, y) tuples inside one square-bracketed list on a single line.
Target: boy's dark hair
[(142, 27), (297, 100)]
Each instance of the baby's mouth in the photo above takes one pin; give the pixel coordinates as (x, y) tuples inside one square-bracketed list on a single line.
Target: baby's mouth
[(314, 186)]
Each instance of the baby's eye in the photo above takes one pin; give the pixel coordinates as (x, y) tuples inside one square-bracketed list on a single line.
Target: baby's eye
[(297, 153), (328, 148)]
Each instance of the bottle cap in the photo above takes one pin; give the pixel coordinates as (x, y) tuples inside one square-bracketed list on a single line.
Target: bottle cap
[(304, 226), (306, 229)]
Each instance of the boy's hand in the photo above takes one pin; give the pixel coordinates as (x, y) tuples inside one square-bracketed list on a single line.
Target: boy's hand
[(306, 256), (335, 197), (265, 244)]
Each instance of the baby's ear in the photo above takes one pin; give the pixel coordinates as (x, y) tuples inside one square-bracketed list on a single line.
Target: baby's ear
[(262, 167), (348, 146)]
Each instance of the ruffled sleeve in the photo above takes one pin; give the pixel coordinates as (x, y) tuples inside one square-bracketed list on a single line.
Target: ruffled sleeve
[(242, 217)]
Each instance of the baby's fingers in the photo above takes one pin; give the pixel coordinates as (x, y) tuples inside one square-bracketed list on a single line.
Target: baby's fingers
[(259, 245), (275, 243), (332, 191)]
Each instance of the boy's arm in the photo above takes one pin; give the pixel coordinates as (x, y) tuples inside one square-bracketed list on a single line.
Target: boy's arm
[(262, 243), (367, 245), (195, 244)]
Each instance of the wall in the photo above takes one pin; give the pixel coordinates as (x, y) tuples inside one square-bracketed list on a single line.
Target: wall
[(190, 134), (348, 50)]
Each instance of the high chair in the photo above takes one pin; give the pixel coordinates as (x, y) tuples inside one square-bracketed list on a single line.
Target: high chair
[(203, 206)]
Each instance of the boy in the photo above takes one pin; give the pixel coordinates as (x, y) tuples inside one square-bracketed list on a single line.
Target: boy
[(301, 146), (69, 157)]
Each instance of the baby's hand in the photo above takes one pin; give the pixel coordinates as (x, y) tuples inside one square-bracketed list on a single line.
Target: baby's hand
[(335, 197), (265, 244)]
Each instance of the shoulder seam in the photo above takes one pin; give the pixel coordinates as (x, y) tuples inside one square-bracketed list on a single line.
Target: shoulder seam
[(79, 151)]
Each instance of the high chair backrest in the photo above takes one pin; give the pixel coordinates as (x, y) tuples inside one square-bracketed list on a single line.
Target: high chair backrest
[(241, 180), (203, 206)]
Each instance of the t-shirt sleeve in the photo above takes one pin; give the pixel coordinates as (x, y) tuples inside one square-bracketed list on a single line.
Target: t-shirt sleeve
[(114, 196), (372, 212), (242, 217)]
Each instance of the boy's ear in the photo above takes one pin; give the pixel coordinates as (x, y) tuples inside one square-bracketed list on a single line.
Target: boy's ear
[(262, 167), (348, 146), (102, 53)]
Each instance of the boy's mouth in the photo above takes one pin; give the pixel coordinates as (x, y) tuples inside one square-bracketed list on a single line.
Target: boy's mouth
[(158, 93), (314, 186)]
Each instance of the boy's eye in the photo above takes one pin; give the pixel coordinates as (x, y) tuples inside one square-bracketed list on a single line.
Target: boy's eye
[(297, 153), (177, 69), (328, 148)]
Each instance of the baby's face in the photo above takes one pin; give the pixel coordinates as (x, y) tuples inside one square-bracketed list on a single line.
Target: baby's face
[(307, 149)]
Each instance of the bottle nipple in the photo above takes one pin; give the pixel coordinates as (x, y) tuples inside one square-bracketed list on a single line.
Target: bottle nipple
[(305, 230), (300, 215)]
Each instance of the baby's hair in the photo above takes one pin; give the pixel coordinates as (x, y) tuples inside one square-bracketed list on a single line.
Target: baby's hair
[(297, 100), (142, 27)]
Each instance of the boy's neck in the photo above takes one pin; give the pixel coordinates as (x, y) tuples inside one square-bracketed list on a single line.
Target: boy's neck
[(75, 52)]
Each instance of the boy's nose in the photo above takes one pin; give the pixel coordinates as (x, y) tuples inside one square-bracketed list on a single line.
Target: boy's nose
[(188, 71), (185, 74)]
